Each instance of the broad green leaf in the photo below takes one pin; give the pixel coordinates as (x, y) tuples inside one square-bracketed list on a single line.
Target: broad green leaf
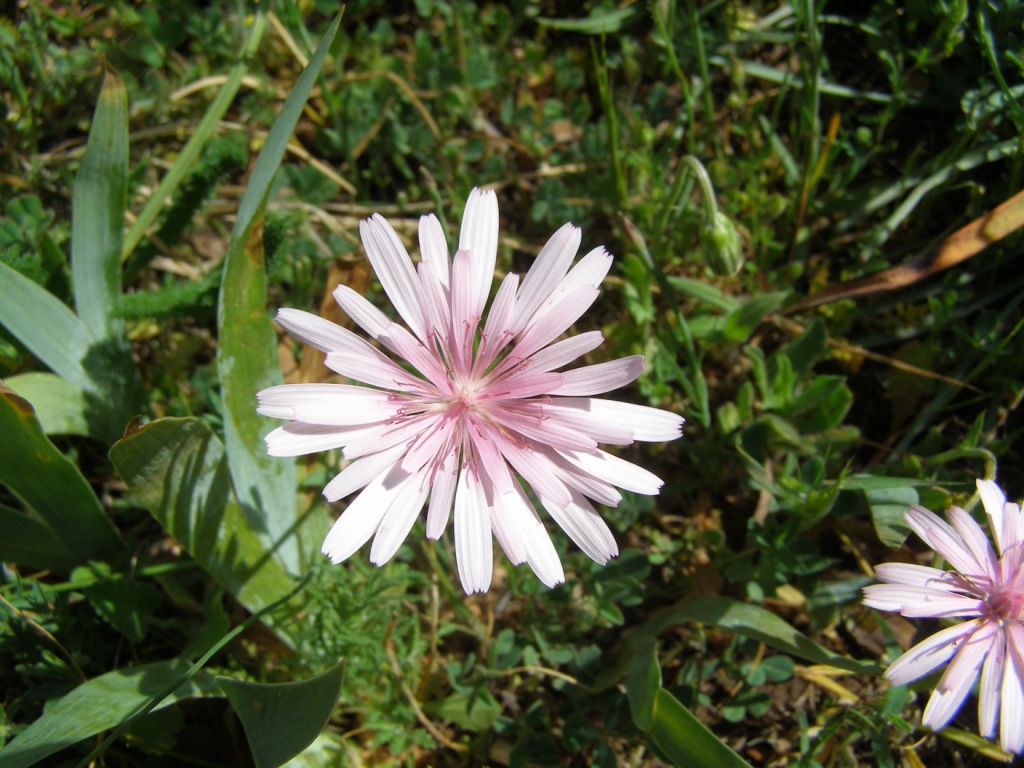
[(97, 230), (123, 601), (29, 541), (62, 407), (822, 405), (246, 352), (97, 212), (282, 719), (888, 507), (61, 342), (742, 322), (328, 750), (685, 738), (643, 680), (762, 625), (678, 734), (50, 485), (187, 157), (888, 498), (744, 619), (473, 711), (100, 704), (808, 347), (177, 469), (704, 292), (599, 22)]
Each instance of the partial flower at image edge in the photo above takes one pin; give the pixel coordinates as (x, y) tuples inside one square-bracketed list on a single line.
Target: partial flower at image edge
[(984, 594)]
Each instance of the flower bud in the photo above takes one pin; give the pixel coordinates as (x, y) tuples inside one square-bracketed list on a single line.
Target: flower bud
[(721, 246)]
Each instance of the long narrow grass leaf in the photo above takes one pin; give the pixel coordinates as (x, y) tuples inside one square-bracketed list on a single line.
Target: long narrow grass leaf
[(676, 732), (246, 353), (187, 157), (97, 213), (50, 485), (98, 705), (61, 342)]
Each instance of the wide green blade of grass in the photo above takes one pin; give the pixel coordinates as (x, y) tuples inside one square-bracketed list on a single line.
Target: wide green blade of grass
[(676, 732), (97, 212), (99, 705), (61, 343), (185, 159), (51, 486), (246, 352)]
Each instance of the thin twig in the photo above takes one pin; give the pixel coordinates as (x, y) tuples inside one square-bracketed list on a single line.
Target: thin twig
[(411, 698)]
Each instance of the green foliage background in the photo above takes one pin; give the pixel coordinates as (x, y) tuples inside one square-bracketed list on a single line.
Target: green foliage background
[(842, 139)]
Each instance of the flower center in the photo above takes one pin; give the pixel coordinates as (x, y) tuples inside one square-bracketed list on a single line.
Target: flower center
[(1007, 604), (464, 402)]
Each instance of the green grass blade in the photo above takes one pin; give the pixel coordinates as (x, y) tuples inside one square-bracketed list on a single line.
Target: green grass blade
[(61, 342), (97, 214), (744, 619), (98, 705), (246, 352), (62, 407), (677, 733), (282, 719), (51, 485), (187, 157), (29, 541), (762, 625)]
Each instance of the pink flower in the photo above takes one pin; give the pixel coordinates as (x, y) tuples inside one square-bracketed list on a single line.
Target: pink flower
[(476, 403), (986, 593)]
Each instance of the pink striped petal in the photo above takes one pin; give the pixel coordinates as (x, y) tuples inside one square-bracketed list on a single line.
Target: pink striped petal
[(479, 236), (941, 537), (988, 690), (329, 404), (394, 269), (930, 653), (540, 552), (589, 272), (547, 271), (555, 322), (375, 369), (584, 526), (600, 378), (299, 438), (434, 249), (616, 471), (398, 520), (958, 678), (974, 538), (564, 352), (359, 473), (496, 333), (473, 551), (442, 493), (359, 522), (645, 423), (994, 500), (911, 575), (1011, 726)]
